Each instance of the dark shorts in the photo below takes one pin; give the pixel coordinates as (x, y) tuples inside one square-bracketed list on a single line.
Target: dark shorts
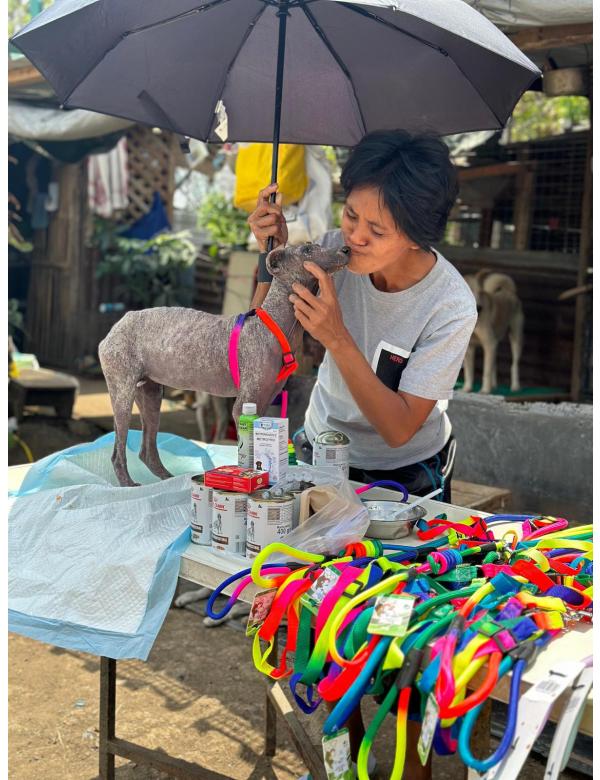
[(419, 478)]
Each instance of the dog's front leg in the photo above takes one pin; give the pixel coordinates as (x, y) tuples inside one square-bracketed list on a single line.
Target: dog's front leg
[(489, 362), (469, 368)]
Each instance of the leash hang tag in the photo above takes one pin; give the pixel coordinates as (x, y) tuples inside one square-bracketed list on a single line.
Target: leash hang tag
[(566, 729), (261, 606), (533, 712), (221, 128), (323, 584), (336, 756), (430, 721), (391, 615)]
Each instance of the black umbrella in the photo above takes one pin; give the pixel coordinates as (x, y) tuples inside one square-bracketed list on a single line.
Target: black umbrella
[(340, 69)]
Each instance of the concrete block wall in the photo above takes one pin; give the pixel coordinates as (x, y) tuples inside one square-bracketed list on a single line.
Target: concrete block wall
[(542, 452)]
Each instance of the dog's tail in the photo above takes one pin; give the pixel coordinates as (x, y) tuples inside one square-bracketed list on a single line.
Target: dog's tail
[(494, 283)]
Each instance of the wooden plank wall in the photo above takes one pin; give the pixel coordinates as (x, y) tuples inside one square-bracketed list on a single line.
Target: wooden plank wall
[(52, 326), (548, 337)]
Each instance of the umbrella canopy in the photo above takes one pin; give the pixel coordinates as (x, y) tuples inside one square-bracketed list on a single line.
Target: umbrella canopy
[(209, 69)]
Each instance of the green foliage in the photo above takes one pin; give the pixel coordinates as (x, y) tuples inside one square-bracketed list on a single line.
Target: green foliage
[(150, 271), (20, 13), (537, 116), (337, 209), (15, 317), (226, 226)]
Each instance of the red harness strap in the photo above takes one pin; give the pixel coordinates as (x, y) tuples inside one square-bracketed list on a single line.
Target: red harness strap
[(290, 364)]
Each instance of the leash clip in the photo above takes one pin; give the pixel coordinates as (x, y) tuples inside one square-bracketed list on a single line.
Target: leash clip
[(410, 667), (525, 651)]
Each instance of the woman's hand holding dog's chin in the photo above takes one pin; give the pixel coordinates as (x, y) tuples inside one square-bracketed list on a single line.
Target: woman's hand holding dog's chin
[(320, 315)]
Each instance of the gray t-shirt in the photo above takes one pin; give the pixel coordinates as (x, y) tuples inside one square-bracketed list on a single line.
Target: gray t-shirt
[(415, 341)]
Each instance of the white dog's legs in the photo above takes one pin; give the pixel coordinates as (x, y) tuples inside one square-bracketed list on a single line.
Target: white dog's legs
[(202, 402), (201, 594), (469, 369), (489, 363), (516, 345)]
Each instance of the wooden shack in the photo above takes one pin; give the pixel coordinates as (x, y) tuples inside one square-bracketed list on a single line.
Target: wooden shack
[(524, 210)]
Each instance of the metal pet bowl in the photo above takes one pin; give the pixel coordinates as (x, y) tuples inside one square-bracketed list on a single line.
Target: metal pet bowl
[(391, 519)]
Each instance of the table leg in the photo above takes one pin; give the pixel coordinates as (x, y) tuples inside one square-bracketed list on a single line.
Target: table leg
[(108, 685)]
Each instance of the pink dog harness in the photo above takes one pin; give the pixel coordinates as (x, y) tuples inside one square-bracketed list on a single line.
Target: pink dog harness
[(290, 363)]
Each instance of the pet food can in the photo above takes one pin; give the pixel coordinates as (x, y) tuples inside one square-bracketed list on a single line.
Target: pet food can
[(332, 448), (202, 497), (270, 516), (228, 531)]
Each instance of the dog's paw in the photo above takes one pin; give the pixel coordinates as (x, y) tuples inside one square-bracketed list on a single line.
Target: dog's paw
[(212, 623), (191, 596)]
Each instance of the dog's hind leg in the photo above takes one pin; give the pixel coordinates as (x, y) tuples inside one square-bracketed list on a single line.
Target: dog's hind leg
[(121, 395), (489, 362), (516, 345), (148, 397)]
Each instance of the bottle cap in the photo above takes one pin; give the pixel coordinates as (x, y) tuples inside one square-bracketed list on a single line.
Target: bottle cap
[(249, 408)]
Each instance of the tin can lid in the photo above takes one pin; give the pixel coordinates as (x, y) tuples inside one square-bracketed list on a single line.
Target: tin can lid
[(270, 497), (332, 437)]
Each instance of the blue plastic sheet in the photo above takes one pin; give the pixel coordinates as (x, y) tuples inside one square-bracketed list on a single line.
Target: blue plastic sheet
[(93, 566)]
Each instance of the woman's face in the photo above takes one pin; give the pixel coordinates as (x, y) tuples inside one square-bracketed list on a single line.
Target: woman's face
[(371, 233)]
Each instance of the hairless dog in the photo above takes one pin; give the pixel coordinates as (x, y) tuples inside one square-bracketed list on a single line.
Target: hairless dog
[(187, 349)]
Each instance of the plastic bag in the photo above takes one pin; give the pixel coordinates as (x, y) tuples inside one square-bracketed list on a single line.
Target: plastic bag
[(341, 521)]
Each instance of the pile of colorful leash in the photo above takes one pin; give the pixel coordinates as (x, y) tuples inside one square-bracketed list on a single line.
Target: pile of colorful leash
[(470, 602)]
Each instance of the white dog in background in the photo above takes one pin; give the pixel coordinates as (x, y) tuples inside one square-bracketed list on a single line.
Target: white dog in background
[(499, 312)]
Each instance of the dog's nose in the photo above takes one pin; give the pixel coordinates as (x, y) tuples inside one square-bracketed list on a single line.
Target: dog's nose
[(346, 250)]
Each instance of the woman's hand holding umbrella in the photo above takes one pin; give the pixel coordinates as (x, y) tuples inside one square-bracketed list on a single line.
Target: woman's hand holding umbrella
[(267, 219)]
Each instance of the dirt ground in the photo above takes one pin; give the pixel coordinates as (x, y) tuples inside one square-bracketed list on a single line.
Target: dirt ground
[(182, 700), (197, 697)]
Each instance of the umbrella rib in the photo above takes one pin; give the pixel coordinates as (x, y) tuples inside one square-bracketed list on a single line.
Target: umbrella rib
[(337, 58), (379, 20), (127, 33), (374, 17), (221, 88)]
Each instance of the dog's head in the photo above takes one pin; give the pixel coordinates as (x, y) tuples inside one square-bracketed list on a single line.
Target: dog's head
[(475, 282), (287, 265)]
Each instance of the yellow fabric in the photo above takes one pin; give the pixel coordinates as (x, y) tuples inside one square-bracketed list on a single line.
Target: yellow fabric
[(253, 173)]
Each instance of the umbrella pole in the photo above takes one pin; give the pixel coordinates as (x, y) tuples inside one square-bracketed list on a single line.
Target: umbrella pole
[(283, 14)]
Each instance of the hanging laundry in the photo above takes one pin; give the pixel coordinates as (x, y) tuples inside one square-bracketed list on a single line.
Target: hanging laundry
[(107, 180)]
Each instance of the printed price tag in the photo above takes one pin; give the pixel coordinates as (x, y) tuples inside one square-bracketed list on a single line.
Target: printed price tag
[(261, 606), (323, 584), (430, 721), (391, 615), (336, 756), (464, 572)]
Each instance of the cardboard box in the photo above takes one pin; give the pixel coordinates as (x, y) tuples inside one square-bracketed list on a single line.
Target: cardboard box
[(236, 478), (271, 446)]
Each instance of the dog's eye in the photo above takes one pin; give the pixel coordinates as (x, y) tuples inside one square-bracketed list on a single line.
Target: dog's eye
[(306, 249)]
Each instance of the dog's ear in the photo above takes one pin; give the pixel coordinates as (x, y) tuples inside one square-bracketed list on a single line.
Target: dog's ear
[(273, 262)]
